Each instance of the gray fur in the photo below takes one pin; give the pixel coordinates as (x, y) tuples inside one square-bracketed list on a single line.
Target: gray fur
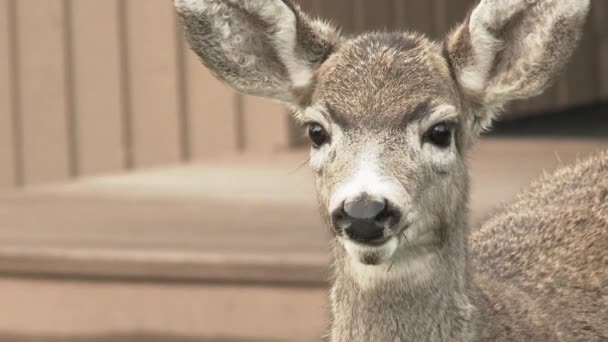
[(234, 39), (540, 274), (544, 258), (535, 272), (526, 43)]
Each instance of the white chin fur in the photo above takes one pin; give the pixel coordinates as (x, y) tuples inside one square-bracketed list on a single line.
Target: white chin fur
[(370, 266)]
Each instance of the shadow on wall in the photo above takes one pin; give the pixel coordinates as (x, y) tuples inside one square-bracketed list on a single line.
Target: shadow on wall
[(589, 121)]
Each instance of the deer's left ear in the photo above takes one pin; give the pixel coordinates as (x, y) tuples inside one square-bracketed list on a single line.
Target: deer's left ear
[(267, 48), (513, 49)]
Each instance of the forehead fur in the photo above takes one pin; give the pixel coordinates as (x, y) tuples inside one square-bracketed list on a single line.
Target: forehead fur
[(384, 76)]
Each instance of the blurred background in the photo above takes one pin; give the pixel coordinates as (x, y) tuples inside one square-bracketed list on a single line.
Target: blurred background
[(142, 200)]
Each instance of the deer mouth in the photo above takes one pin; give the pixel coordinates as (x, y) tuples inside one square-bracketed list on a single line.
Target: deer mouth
[(371, 243), (371, 253)]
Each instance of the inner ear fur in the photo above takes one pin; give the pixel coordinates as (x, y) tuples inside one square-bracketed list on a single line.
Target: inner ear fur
[(267, 48), (513, 49)]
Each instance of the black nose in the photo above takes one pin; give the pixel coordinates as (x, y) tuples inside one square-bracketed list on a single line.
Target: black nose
[(364, 218)]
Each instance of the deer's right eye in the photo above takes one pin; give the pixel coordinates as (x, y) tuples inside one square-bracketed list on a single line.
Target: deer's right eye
[(317, 134), (440, 135)]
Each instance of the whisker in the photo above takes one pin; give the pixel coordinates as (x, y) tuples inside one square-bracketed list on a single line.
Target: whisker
[(300, 166), (408, 243), (390, 266)]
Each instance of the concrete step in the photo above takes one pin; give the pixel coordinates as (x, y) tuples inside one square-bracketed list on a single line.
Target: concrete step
[(226, 221), (118, 338), (84, 310)]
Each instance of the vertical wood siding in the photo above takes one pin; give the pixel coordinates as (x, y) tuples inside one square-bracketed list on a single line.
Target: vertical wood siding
[(97, 86), (98, 110), (44, 96), (211, 110), (152, 65), (265, 124), (8, 171), (598, 16)]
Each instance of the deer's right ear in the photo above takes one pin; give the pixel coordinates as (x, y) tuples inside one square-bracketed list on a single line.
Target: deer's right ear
[(267, 48)]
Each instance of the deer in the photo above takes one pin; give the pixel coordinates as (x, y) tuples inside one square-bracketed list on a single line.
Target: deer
[(391, 118)]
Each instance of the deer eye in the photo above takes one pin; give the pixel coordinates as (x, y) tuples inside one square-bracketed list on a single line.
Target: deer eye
[(317, 134), (440, 135)]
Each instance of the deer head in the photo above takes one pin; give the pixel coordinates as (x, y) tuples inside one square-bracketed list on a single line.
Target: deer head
[(390, 116)]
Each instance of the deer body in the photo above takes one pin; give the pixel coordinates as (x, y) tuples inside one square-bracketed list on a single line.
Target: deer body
[(391, 118), (523, 287)]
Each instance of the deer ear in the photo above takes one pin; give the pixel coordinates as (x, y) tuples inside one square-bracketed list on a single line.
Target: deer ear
[(513, 49), (268, 48)]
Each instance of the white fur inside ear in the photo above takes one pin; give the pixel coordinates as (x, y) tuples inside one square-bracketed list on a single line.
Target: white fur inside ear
[(196, 6), (273, 12), (491, 16), (544, 16), (285, 41), (487, 15)]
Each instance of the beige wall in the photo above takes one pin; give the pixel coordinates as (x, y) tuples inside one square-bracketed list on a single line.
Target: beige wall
[(102, 86)]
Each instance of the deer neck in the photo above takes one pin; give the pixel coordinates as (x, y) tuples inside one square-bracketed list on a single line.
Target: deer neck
[(425, 296)]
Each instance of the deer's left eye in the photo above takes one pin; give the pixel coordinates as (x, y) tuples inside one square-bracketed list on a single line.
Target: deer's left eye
[(317, 134), (440, 135)]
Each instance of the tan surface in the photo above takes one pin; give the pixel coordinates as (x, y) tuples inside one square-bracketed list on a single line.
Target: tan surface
[(98, 99), (234, 220), (7, 148), (501, 167), (246, 222), (211, 109), (152, 43), (179, 239), (127, 337), (265, 125), (43, 94), (51, 308)]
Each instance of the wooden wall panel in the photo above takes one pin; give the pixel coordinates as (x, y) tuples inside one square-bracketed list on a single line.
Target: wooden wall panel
[(266, 125), (152, 44), (340, 12), (547, 101), (600, 26), (212, 112), (8, 177), (455, 12), (416, 15), (97, 86), (100, 85), (41, 26), (583, 81), (307, 6), (375, 15)]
